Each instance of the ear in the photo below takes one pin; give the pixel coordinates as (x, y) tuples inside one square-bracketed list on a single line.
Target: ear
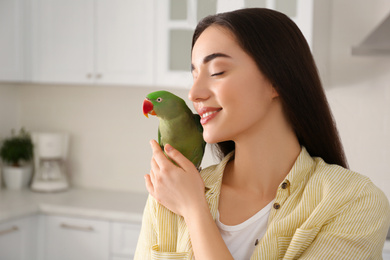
[(274, 92)]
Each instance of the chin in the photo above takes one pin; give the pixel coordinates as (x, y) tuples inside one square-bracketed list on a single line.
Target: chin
[(212, 138)]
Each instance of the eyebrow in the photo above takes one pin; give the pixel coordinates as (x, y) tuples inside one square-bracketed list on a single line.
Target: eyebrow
[(211, 57)]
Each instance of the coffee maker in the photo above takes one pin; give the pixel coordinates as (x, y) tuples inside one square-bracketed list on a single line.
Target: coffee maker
[(50, 154)]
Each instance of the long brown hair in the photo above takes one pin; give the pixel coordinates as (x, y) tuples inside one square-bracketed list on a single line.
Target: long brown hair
[(282, 54)]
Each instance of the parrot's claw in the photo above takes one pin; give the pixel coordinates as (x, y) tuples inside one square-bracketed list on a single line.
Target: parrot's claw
[(199, 169)]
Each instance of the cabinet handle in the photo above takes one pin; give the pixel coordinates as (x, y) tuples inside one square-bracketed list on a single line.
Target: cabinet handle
[(89, 75), (10, 230), (99, 76), (80, 228)]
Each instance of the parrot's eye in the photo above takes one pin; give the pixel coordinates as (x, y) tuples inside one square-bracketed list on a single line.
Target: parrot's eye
[(159, 99)]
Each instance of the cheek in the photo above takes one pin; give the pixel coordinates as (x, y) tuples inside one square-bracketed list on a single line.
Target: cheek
[(195, 105), (249, 106)]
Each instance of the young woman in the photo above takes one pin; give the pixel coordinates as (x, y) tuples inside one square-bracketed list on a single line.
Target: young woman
[(281, 190)]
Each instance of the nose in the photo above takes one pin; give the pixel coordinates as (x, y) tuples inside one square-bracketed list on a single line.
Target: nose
[(199, 91)]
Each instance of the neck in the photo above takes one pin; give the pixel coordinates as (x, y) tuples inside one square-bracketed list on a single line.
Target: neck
[(263, 159)]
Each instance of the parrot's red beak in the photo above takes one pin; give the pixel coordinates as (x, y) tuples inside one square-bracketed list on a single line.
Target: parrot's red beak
[(148, 108)]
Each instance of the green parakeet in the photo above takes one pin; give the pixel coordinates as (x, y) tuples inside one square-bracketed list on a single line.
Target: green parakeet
[(178, 126)]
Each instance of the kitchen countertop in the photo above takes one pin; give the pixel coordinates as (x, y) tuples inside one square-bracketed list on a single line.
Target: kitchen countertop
[(84, 203)]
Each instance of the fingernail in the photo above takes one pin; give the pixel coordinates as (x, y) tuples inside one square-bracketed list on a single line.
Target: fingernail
[(168, 148)]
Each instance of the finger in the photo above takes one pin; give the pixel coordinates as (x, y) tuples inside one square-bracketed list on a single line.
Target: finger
[(154, 166), (152, 178), (155, 146), (178, 157), (159, 155), (149, 184)]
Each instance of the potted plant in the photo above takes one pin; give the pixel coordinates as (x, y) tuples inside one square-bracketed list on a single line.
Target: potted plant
[(16, 153)]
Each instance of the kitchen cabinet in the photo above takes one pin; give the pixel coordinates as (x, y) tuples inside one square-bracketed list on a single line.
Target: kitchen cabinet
[(126, 42), (386, 250), (176, 21), (12, 32), (313, 19), (124, 240), (75, 238), (178, 18), (92, 41), (78, 238), (76, 224), (18, 239)]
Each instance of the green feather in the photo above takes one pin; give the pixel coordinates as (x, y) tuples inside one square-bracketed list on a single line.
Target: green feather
[(178, 126)]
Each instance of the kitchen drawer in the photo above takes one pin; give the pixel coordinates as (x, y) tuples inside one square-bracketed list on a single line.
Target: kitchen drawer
[(75, 238), (18, 239), (124, 239)]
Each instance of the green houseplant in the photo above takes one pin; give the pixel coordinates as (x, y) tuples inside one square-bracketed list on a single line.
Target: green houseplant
[(16, 153)]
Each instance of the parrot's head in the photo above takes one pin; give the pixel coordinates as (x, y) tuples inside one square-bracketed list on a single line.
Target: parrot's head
[(163, 104)]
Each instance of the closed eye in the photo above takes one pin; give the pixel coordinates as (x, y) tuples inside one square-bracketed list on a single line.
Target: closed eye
[(217, 74)]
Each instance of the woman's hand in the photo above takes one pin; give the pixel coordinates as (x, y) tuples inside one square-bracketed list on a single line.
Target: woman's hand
[(178, 187), (181, 189)]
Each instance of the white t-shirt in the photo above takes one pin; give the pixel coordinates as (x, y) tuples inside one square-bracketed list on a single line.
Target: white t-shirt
[(242, 239)]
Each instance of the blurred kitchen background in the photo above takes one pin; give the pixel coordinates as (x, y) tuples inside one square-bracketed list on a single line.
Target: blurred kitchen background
[(84, 67), (50, 80)]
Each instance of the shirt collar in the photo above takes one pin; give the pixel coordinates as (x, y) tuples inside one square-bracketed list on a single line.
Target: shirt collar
[(302, 167)]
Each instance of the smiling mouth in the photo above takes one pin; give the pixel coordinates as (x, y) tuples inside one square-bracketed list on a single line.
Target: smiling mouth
[(207, 114)]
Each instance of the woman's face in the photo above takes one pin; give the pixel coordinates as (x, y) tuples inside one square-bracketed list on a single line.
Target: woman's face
[(229, 92)]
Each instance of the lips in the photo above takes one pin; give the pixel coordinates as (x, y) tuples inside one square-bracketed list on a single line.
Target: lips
[(208, 113)]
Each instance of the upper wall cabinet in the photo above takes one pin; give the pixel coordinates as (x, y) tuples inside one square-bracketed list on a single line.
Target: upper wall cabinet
[(313, 19), (176, 20), (11, 40), (127, 42), (93, 41)]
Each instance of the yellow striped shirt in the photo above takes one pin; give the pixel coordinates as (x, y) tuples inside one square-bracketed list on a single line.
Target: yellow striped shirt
[(321, 211)]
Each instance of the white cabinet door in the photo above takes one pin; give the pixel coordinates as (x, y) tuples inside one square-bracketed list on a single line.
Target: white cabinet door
[(124, 238), (176, 21), (11, 40), (74, 238), (90, 41), (124, 42), (63, 41), (18, 239)]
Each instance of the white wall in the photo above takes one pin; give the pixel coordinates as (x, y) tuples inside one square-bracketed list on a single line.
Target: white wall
[(9, 109), (359, 93), (110, 136), (9, 112)]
